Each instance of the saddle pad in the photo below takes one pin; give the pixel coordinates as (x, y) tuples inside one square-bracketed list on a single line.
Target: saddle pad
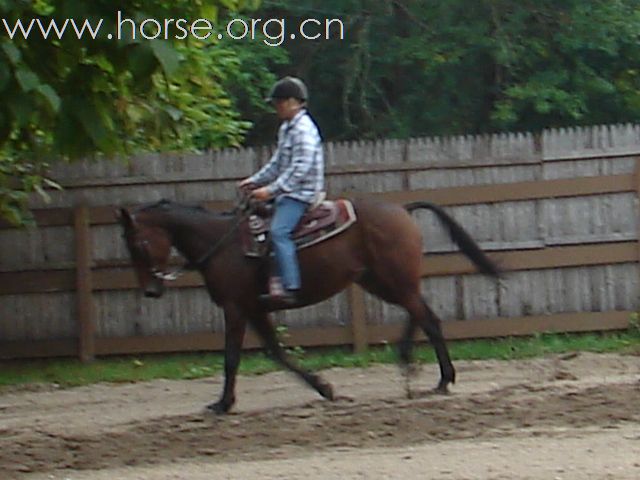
[(320, 223)]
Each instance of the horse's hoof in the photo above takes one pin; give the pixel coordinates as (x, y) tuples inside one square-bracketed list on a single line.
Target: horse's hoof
[(441, 389), (410, 370), (344, 398), (325, 389), (219, 408)]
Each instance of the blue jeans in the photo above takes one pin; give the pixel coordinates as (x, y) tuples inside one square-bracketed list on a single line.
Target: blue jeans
[(287, 215)]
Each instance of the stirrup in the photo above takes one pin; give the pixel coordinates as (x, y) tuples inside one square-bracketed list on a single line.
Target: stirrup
[(287, 298)]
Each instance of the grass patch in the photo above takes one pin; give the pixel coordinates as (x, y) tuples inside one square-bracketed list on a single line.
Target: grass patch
[(70, 372)]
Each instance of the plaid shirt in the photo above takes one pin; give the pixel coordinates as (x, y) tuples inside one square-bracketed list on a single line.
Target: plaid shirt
[(296, 169)]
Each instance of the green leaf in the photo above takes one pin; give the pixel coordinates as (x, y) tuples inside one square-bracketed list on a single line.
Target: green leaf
[(21, 107), (12, 214), (5, 75), (142, 61), (50, 183), (5, 128), (12, 52), (42, 7), (249, 4), (42, 192), (50, 95), (27, 79), (135, 113), (173, 112), (90, 119), (166, 55), (210, 12), (230, 4), (102, 62)]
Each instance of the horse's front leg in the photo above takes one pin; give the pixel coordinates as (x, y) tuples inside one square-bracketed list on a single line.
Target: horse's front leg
[(265, 330), (235, 326)]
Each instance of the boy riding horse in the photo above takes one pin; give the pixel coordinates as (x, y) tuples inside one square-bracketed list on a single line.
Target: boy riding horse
[(294, 177)]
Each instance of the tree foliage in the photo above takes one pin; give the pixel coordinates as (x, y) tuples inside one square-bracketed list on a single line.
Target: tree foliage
[(70, 98), (405, 68), (422, 67)]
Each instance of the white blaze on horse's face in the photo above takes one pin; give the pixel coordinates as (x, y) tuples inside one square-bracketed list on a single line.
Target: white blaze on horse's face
[(150, 248)]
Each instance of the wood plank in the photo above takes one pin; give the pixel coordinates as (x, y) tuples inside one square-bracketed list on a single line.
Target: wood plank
[(518, 191), (101, 215), (109, 216), (189, 177), (85, 311), (67, 347), (46, 217), (517, 326), (326, 336), (334, 170), (138, 180), (211, 341), (61, 217), (214, 341), (597, 141), (540, 259), (637, 184), (204, 341), (123, 278), (14, 283)]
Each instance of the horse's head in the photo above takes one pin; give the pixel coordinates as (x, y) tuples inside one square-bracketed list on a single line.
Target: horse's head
[(150, 247)]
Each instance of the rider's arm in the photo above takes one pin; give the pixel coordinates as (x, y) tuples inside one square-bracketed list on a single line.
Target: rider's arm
[(269, 172)]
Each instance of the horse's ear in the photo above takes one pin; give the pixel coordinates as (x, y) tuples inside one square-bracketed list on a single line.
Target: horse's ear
[(125, 218)]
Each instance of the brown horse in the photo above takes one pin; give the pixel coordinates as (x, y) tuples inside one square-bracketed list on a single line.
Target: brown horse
[(382, 252)]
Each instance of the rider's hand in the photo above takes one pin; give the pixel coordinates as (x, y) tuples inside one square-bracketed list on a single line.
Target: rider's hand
[(261, 194), (246, 185)]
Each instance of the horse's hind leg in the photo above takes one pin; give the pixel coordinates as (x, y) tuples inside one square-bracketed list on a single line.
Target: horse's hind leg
[(405, 351), (422, 315), (393, 256), (405, 346), (265, 330)]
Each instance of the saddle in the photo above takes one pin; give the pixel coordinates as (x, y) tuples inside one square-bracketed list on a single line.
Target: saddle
[(322, 221)]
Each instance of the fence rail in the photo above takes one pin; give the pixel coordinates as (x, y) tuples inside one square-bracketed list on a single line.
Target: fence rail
[(323, 336)]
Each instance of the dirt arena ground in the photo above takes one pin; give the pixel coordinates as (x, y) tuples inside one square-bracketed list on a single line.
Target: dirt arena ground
[(565, 417)]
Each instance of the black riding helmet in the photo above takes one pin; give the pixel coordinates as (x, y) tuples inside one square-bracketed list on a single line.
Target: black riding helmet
[(288, 87)]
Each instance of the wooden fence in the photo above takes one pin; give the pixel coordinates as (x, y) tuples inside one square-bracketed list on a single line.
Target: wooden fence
[(557, 210)]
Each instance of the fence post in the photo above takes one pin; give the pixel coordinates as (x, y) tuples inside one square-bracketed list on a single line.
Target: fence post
[(637, 175), (358, 319), (84, 284)]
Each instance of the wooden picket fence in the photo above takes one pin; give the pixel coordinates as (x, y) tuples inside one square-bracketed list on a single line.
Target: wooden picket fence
[(67, 288)]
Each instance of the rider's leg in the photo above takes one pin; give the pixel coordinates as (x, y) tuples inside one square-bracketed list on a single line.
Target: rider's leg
[(287, 215)]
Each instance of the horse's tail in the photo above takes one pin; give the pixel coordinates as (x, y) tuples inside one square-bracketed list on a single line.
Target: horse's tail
[(460, 236)]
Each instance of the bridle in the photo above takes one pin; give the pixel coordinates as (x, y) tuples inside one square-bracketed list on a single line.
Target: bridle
[(241, 211), (197, 264)]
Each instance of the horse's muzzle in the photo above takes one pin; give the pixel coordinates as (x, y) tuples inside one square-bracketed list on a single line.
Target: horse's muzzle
[(154, 290)]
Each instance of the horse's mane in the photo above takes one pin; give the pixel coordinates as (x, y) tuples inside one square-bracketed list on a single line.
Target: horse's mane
[(189, 208)]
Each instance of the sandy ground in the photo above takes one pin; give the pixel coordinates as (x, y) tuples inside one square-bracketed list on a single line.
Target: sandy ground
[(561, 417)]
